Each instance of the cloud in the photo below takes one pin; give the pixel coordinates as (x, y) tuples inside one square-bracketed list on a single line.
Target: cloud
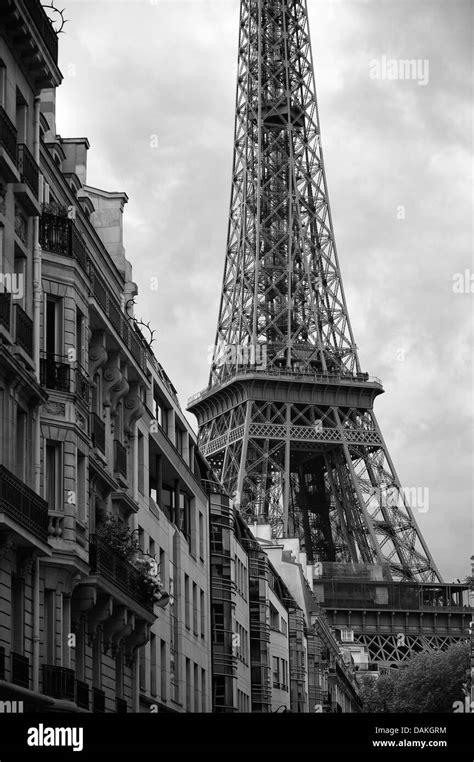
[(398, 165)]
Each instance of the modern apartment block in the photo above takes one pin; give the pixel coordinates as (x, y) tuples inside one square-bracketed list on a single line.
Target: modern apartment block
[(104, 590), (322, 667)]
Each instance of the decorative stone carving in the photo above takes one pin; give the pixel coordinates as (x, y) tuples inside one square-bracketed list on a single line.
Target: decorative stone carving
[(55, 408), (25, 559), (119, 391), (133, 407), (80, 420), (97, 352), (6, 544), (112, 377), (138, 638)]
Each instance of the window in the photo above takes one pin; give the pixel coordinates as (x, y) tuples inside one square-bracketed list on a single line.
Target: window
[(284, 626), (276, 672), (162, 566), (153, 670), (217, 622), (195, 609), (21, 439), (142, 670), (3, 85), (285, 674), (79, 336), (184, 515), (141, 539), (53, 476), (188, 685), (201, 536), (186, 601), (141, 463), (151, 548), (274, 618), (164, 681), (53, 331), (81, 486), (20, 264), (196, 688), (203, 690), (21, 118), (203, 614), (50, 627)]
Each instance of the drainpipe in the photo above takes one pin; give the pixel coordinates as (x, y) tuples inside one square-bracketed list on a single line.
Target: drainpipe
[(37, 298)]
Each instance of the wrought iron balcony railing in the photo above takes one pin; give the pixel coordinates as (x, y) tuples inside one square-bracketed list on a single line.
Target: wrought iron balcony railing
[(8, 136), (98, 432), (5, 309), (59, 235), (122, 324), (44, 26), (20, 670), (23, 505), (120, 459), (58, 682), (82, 694), (29, 169), (24, 330), (107, 562), (82, 384), (55, 372)]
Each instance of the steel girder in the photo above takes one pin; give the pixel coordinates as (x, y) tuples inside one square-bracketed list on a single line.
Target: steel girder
[(319, 470)]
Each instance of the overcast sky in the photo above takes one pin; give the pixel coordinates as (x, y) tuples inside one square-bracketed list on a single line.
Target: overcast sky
[(151, 83)]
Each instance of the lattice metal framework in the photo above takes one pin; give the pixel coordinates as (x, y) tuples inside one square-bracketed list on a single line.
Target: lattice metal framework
[(287, 419)]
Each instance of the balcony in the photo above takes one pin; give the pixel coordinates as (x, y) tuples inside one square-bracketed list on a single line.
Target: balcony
[(44, 27), (27, 190), (20, 670), (98, 700), (98, 432), (24, 331), (5, 309), (107, 562), (55, 372), (82, 384), (24, 506), (120, 459), (58, 682), (130, 336), (82, 694), (59, 235), (8, 148)]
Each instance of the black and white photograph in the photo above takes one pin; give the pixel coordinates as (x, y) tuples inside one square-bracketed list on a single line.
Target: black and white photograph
[(236, 377)]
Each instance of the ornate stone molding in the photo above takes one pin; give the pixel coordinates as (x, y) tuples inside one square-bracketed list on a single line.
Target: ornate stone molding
[(97, 352), (133, 407), (112, 376), (119, 391), (55, 408)]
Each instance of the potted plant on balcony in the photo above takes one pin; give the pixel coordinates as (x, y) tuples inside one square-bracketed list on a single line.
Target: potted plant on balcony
[(117, 535), (151, 579)]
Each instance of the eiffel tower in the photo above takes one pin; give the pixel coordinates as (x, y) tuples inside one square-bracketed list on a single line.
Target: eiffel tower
[(287, 419)]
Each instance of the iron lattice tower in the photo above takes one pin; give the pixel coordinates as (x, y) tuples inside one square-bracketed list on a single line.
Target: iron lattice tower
[(287, 419)]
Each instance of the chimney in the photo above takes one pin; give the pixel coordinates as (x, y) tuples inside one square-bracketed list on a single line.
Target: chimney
[(48, 109)]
